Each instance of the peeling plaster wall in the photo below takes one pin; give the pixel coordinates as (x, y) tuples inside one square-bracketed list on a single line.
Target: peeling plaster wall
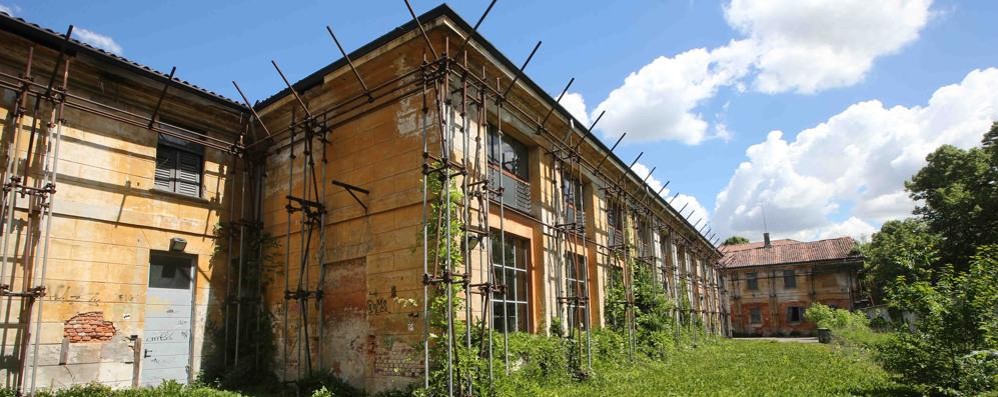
[(107, 218), (829, 284)]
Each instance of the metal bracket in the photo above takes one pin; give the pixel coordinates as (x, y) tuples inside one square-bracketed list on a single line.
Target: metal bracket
[(351, 189)]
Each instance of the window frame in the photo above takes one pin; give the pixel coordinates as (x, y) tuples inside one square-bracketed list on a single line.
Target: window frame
[(507, 145), (520, 248), (755, 315), (752, 281), (176, 152), (790, 314), (789, 275), (576, 264)]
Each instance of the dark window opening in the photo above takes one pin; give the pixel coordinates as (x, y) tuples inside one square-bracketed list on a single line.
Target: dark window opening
[(511, 304), (572, 191), (795, 314), (755, 315), (168, 271), (752, 281), (179, 166), (511, 152), (615, 221), (789, 279), (575, 277)]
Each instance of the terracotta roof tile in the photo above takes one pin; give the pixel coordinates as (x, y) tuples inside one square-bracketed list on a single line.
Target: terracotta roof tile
[(788, 251)]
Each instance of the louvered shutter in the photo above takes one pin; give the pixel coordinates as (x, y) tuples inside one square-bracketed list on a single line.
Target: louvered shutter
[(166, 162), (189, 174)]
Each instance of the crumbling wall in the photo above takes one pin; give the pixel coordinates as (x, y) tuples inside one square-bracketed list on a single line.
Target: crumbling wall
[(107, 218)]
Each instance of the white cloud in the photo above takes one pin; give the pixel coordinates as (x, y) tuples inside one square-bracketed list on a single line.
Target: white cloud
[(788, 45), (7, 9), (653, 182), (857, 159), (809, 46), (98, 40), (659, 101), (693, 209), (576, 105)]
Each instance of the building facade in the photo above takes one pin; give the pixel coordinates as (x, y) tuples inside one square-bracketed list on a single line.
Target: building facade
[(154, 230), (772, 283)]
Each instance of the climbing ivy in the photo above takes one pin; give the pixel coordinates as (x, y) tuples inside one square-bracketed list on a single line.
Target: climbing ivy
[(257, 347)]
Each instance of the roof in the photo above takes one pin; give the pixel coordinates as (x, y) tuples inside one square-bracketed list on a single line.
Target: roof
[(789, 251), (53, 39), (758, 244)]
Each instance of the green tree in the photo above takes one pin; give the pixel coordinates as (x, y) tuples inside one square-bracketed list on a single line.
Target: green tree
[(734, 240), (952, 347), (959, 189), (901, 248)]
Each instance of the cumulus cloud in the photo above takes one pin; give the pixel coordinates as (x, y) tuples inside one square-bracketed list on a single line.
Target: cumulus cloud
[(659, 101), (576, 106), (788, 46), (808, 46), (853, 165), (693, 209), (98, 40)]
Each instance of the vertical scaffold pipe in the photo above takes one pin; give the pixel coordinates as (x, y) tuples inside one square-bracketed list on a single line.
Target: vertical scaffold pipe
[(242, 264), (466, 202), (11, 172), (287, 248), (488, 310), (426, 229), (446, 135), (628, 282), (502, 233), (56, 122)]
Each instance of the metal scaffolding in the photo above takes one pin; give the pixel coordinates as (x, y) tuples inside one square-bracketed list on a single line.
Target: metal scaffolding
[(460, 103)]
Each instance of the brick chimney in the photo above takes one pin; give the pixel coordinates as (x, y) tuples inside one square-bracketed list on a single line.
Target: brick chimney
[(765, 239)]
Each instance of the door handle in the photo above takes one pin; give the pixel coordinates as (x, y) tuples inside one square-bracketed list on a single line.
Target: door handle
[(145, 353)]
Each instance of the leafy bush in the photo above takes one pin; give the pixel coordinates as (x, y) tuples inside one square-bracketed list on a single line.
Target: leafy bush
[(166, 389), (949, 351), (828, 317), (848, 328)]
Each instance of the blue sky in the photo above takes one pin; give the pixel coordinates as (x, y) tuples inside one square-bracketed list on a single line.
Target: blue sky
[(722, 76)]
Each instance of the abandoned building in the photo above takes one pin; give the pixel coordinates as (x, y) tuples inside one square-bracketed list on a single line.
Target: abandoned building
[(150, 227), (772, 283)]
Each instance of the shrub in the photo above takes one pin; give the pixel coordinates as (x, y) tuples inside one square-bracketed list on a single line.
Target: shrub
[(950, 350)]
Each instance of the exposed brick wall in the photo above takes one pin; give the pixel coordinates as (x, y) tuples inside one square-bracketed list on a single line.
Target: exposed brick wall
[(400, 360), (88, 327)]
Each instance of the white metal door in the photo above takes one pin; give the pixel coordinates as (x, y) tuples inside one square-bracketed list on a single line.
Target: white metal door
[(166, 335)]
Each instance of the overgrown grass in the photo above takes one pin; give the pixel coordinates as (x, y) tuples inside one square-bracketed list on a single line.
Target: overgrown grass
[(741, 368), (716, 368)]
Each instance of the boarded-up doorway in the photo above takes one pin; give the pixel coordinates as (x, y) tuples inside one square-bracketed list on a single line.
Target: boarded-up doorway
[(166, 335), (344, 308)]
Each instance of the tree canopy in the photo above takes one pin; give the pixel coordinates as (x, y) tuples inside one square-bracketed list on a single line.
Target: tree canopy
[(959, 191), (734, 240)]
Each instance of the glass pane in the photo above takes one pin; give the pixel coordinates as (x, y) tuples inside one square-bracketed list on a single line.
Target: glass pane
[(496, 248), (497, 277), (511, 317), (497, 317), (521, 255), (169, 272), (522, 316), (510, 283), (510, 252), (521, 286)]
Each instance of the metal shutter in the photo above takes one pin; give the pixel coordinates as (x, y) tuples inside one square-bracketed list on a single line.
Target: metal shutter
[(166, 162), (188, 175)]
